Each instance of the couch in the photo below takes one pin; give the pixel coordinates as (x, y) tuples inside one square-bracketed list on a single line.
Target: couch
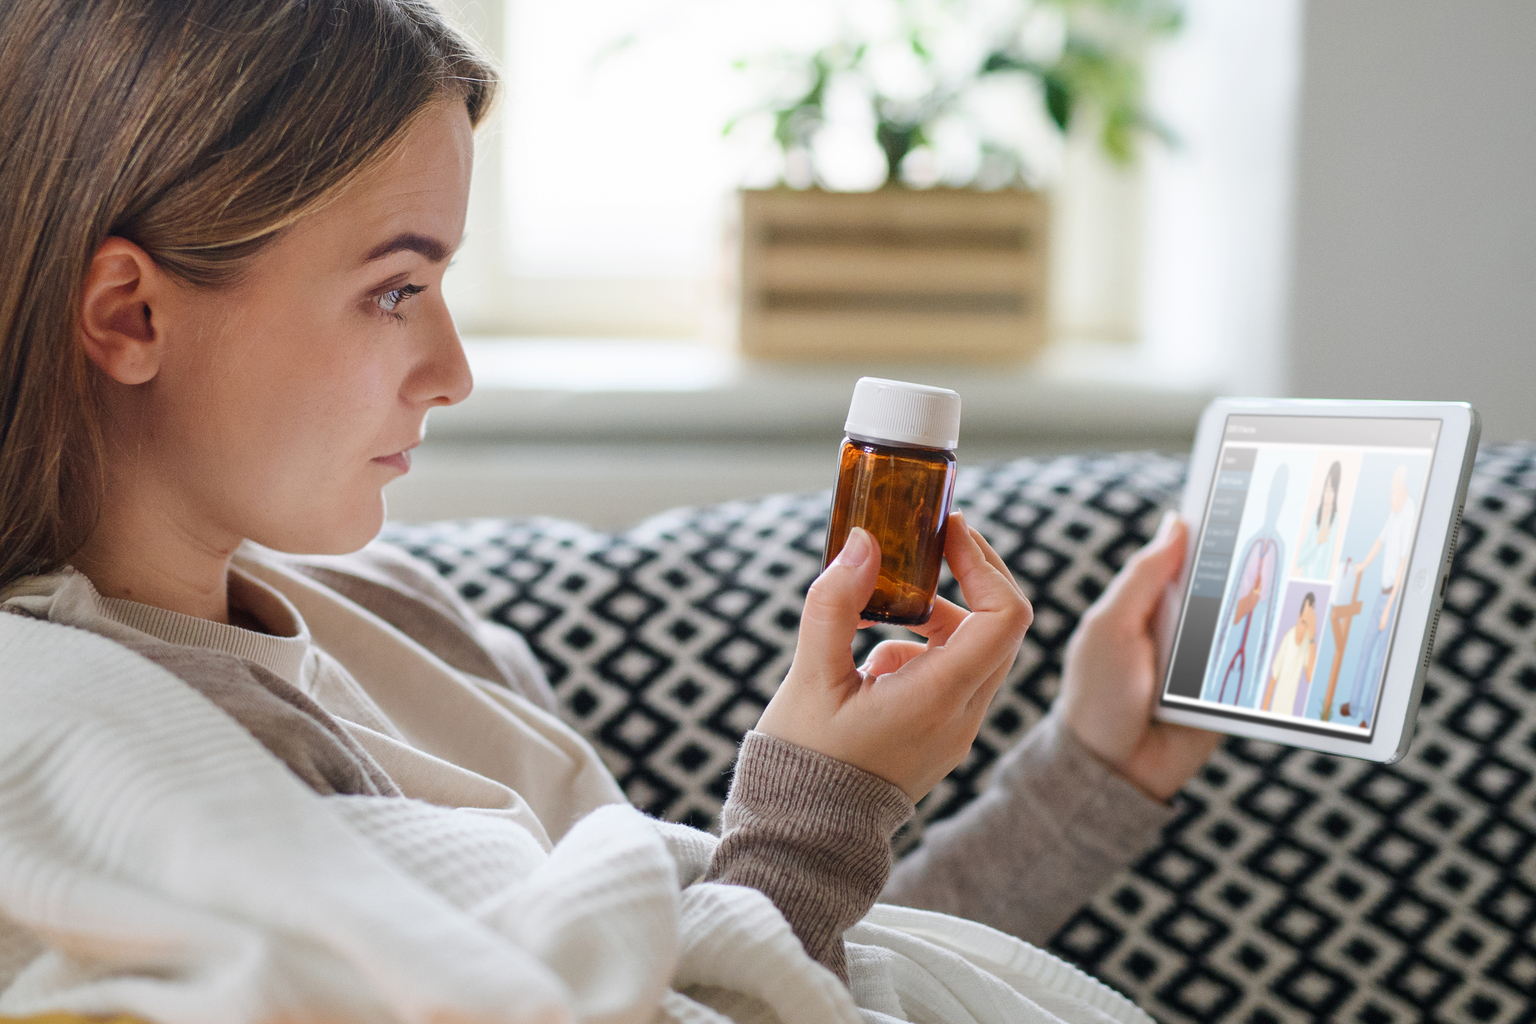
[(1291, 886)]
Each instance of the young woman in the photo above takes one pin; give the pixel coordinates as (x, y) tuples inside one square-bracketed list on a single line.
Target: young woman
[(222, 330), (1317, 537)]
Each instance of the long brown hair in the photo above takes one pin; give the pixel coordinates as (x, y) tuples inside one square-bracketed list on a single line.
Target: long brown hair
[(197, 129)]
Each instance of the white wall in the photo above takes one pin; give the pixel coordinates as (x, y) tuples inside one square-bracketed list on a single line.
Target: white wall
[(1218, 205), (1414, 259)]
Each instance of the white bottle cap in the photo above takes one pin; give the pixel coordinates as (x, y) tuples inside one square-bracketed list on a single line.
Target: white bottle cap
[(893, 410)]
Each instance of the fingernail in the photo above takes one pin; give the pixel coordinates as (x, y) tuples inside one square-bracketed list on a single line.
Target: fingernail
[(1165, 527), (855, 549)]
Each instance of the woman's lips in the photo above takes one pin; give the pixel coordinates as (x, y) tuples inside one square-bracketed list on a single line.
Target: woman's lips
[(399, 460)]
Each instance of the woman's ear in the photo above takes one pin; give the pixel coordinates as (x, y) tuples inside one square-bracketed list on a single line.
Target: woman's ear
[(117, 325)]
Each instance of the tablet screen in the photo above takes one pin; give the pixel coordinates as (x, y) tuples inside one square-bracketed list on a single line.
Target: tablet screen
[(1300, 568)]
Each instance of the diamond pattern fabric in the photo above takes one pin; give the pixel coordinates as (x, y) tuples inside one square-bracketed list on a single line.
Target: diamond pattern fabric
[(1292, 886)]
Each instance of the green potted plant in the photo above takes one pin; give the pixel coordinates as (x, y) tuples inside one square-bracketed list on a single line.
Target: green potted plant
[(908, 220)]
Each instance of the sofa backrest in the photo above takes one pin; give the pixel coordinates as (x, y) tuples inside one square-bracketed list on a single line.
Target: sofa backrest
[(1292, 885)]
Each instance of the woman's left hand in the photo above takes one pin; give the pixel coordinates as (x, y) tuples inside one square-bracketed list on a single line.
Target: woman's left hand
[(1109, 681)]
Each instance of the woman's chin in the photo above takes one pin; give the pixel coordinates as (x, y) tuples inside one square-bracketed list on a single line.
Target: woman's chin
[(332, 534), (361, 529)]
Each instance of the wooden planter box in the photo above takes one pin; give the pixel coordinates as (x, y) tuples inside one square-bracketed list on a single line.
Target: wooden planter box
[(898, 274)]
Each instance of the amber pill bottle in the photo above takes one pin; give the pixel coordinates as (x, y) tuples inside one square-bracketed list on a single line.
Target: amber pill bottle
[(895, 478)]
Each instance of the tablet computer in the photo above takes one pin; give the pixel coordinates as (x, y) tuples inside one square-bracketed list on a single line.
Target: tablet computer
[(1321, 535)]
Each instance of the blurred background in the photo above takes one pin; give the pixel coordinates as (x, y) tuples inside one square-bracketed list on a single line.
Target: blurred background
[(696, 222)]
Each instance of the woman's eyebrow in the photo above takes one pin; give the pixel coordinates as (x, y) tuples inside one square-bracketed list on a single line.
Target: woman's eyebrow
[(431, 248)]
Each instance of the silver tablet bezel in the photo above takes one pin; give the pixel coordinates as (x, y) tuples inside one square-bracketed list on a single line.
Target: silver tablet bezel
[(1409, 649)]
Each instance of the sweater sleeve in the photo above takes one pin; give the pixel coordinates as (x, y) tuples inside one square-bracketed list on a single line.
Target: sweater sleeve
[(1052, 826), (813, 834)]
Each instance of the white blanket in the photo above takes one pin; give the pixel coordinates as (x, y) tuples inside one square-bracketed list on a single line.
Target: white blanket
[(156, 860)]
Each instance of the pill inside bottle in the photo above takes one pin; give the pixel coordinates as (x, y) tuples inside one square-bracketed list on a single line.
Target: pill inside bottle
[(896, 478)]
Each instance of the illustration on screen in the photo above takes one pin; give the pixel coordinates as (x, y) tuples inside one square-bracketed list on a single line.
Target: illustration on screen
[(1298, 578)]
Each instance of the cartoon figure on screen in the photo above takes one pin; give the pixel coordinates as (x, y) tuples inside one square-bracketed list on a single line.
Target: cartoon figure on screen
[(1295, 657), (1242, 641), (1318, 536), (1393, 546)]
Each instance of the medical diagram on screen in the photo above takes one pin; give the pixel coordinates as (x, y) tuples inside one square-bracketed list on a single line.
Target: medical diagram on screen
[(1315, 578)]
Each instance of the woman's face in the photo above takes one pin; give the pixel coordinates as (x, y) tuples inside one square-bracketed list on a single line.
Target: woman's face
[(1326, 513), (284, 404)]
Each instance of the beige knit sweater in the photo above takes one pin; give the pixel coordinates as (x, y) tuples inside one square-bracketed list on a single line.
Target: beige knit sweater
[(374, 678)]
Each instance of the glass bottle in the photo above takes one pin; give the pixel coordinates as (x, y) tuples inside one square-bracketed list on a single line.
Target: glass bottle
[(896, 478)]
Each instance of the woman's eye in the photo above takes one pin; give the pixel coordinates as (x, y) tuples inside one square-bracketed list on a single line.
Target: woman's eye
[(395, 296)]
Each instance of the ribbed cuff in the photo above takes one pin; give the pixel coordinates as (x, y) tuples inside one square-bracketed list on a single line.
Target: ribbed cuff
[(813, 834), (774, 776)]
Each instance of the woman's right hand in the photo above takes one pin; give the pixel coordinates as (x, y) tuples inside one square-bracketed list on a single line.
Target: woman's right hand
[(910, 713)]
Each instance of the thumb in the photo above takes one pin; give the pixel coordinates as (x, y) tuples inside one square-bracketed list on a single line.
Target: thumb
[(1139, 587), (831, 617)]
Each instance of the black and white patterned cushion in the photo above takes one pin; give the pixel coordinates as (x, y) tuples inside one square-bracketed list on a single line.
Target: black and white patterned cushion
[(1292, 886)]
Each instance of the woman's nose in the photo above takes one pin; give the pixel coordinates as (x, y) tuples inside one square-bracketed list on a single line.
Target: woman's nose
[(443, 376)]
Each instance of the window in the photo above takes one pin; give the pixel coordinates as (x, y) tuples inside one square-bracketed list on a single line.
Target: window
[(604, 185)]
